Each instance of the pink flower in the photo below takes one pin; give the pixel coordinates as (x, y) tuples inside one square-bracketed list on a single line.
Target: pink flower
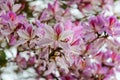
[(21, 61), (8, 5), (53, 7)]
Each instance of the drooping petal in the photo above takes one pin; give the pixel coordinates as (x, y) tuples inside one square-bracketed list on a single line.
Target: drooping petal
[(23, 34), (20, 42), (16, 7), (64, 46), (66, 34), (49, 32), (44, 42)]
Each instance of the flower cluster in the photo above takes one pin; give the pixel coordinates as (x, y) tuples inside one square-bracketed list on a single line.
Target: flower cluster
[(58, 46)]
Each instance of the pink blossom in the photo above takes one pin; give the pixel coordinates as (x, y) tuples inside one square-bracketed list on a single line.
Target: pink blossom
[(57, 45)]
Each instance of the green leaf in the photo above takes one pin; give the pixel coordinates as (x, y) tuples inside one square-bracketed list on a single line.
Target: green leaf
[(3, 60)]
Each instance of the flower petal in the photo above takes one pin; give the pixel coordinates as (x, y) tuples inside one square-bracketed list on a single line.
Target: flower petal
[(44, 42), (58, 28), (66, 34), (23, 34), (16, 7), (49, 32), (19, 42)]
